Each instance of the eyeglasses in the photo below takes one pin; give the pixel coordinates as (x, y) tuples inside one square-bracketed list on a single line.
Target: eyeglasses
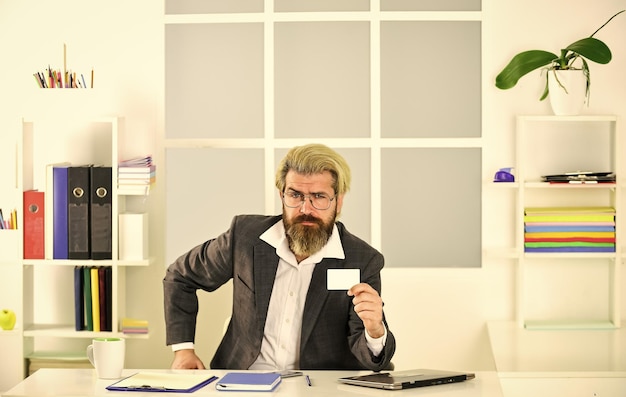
[(319, 201)]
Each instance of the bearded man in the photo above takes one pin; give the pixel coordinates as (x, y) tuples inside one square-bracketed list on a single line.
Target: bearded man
[(284, 317)]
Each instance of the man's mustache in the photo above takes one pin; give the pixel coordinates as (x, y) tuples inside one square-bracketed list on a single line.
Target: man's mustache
[(307, 218)]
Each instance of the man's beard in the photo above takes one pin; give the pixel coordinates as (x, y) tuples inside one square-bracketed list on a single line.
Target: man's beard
[(306, 240)]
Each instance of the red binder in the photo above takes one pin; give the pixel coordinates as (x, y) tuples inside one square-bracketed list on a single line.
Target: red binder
[(33, 224), (104, 289)]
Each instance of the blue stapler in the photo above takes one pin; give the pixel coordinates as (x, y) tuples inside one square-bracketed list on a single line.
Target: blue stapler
[(504, 175)]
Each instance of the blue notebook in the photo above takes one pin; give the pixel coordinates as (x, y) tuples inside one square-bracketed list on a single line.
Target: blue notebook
[(248, 381)]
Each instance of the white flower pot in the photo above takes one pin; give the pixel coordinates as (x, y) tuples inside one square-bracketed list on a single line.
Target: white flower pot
[(567, 91)]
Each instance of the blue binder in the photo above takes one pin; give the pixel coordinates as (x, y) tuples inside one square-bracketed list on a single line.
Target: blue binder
[(59, 212), (163, 382)]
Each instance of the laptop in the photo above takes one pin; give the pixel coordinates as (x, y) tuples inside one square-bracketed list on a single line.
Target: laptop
[(398, 380)]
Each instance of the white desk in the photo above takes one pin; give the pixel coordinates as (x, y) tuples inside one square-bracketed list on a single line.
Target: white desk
[(548, 363), (84, 383)]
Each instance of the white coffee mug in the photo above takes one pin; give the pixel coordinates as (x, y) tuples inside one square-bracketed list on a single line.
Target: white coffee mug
[(107, 356)]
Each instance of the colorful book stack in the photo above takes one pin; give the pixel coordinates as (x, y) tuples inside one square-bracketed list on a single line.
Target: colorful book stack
[(93, 298), (136, 175), (569, 229), (134, 326)]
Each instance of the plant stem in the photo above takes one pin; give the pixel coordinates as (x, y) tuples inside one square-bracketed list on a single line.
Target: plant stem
[(606, 23)]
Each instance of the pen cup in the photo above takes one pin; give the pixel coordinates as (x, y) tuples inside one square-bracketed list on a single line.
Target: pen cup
[(107, 356)]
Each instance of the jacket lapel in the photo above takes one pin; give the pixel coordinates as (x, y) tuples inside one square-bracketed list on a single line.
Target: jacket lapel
[(316, 296), (265, 264)]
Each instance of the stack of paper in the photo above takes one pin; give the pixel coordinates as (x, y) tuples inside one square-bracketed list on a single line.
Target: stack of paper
[(134, 326), (580, 177), (569, 229), (136, 175), (50, 359)]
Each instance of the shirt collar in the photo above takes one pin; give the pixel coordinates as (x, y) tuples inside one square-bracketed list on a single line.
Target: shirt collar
[(276, 237)]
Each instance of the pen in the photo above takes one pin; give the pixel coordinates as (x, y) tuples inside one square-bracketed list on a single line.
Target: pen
[(308, 380)]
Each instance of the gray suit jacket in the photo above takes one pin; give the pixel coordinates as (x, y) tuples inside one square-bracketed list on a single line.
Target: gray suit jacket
[(332, 334)]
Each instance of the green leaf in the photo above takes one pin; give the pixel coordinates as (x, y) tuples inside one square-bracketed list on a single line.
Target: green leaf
[(522, 64), (592, 49)]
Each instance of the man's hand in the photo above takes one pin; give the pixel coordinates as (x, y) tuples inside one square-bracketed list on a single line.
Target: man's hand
[(368, 305), (186, 359)]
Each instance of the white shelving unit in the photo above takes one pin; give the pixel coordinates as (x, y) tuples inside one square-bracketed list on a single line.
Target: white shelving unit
[(45, 310), (566, 290), (566, 334)]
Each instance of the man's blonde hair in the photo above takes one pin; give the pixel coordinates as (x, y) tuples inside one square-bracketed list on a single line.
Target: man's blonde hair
[(315, 159)]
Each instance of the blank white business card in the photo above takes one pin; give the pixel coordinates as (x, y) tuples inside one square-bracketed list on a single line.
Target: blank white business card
[(342, 279)]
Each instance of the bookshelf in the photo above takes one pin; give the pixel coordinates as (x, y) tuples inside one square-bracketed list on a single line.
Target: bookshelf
[(45, 308), (565, 290)]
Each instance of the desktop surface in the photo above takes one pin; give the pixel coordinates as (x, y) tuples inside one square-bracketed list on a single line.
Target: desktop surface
[(520, 352), (548, 363), (84, 383)]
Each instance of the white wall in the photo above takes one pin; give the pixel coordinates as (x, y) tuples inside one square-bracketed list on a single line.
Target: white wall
[(438, 315), (123, 42)]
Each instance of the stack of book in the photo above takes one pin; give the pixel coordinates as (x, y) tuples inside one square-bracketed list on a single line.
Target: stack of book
[(93, 298), (569, 229), (49, 359), (134, 326), (136, 176)]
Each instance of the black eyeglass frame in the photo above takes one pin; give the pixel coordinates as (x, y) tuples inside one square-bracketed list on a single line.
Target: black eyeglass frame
[(310, 196)]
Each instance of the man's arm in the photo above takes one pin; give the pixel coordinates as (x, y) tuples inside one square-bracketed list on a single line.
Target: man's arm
[(180, 305), (372, 341), (205, 267)]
